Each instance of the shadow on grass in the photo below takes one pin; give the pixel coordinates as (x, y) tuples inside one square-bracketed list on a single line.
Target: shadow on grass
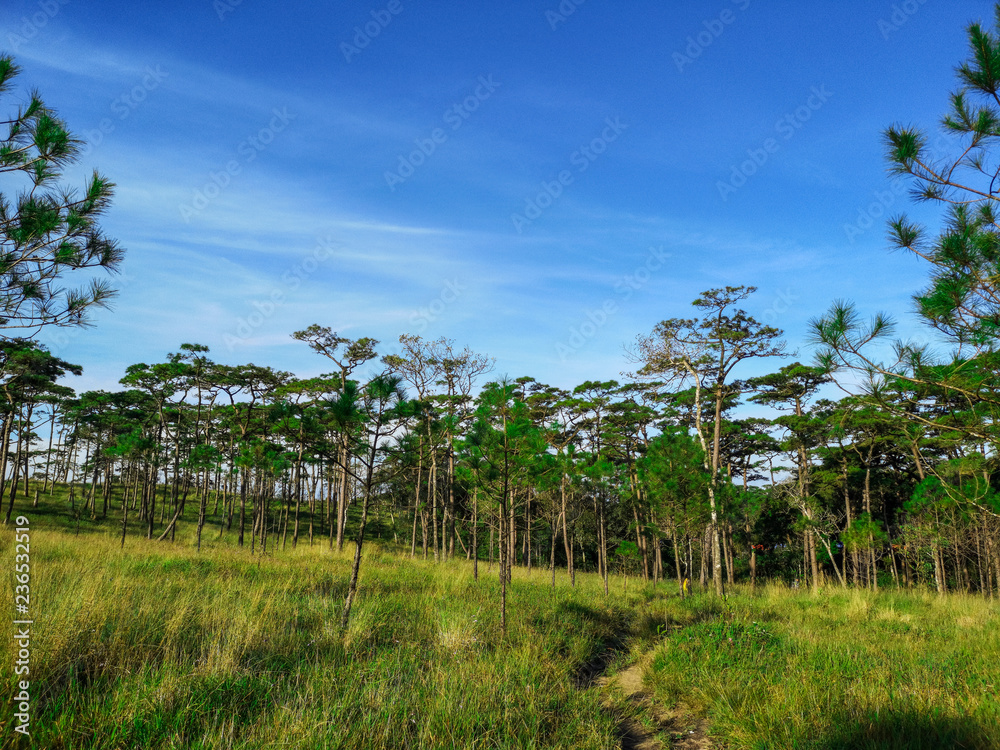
[(650, 626), (907, 730), (614, 629)]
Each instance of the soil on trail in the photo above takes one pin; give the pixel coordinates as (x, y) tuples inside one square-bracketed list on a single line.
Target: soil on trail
[(683, 730), (642, 723)]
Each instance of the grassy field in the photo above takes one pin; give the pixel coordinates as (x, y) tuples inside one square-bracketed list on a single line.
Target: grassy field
[(169, 648), (835, 670), (158, 646)]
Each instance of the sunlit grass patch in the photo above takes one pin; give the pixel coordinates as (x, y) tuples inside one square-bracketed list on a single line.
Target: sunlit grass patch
[(166, 647), (857, 668)]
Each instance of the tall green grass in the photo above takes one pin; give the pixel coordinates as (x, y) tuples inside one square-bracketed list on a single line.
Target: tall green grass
[(838, 669), (166, 648), (159, 646)]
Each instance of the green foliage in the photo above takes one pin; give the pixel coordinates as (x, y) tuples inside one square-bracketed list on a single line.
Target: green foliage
[(48, 230), (865, 533)]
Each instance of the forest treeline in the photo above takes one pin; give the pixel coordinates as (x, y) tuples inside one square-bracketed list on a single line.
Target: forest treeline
[(662, 475), (658, 476)]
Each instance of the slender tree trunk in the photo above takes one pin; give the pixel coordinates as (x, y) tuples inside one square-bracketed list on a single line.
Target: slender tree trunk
[(677, 563), (124, 520), (243, 504), (475, 533), (554, 528), (640, 542), (423, 530), (690, 557), (706, 555), (836, 570), (728, 550), (450, 508), (416, 501), (152, 501), (14, 476), (604, 544), (202, 510), (93, 483), (527, 530), (48, 453), (170, 525), (995, 544), (511, 540), (504, 560), (567, 541), (434, 504), (572, 570), (8, 426), (342, 499)]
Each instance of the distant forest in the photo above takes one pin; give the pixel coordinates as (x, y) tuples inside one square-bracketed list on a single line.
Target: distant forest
[(659, 476)]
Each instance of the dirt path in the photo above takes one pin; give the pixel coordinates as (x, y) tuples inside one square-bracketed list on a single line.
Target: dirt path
[(642, 724), (682, 731)]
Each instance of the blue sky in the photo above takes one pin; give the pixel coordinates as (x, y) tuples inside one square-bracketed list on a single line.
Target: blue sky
[(538, 181)]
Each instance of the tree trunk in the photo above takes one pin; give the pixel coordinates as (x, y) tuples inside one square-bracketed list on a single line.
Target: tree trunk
[(14, 475), (567, 542), (475, 533), (416, 501), (434, 504), (554, 528), (677, 563), (342, 499)]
